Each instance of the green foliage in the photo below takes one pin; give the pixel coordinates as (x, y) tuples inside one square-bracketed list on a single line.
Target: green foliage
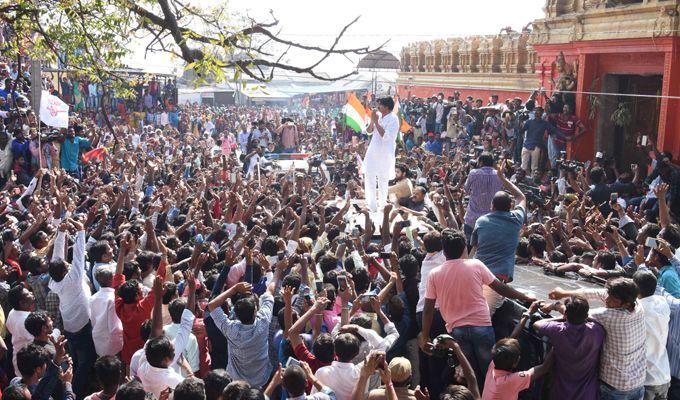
[(95, 37)]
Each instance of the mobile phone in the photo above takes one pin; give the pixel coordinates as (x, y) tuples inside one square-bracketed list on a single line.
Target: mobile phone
[(613, 198), (651, 243), (232, 177), (281, 255), (318, 285), (385, 255), (342, 283), (291, 361), (365, 298), (405, 224), (643, 141), (599, 155), (632, 166), (355, 232), (586, 165)]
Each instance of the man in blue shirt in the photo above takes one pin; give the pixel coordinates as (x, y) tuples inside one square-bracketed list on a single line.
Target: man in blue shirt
[(496, 235), (6, 92), (247, 334), (534, 133), (434, 144), (70, 152)]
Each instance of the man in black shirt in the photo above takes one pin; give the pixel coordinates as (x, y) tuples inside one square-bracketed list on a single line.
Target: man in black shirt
[(600, 194)]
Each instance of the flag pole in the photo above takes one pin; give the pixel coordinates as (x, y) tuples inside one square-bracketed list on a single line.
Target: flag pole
[(40, 154), (258, 173)]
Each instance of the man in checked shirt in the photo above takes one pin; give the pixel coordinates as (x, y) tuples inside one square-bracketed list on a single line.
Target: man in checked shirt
[(623, 359)]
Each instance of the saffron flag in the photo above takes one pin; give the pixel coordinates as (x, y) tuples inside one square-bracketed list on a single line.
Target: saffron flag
[(403, 125), (355, 113), (98, 153)]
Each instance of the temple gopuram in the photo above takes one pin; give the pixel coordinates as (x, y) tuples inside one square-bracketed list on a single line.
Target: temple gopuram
[(585, 48)]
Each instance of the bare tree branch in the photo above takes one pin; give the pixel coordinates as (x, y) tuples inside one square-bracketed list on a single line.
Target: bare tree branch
[(184, 36)]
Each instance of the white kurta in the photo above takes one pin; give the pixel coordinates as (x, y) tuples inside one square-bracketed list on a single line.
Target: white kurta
[(380, 160)]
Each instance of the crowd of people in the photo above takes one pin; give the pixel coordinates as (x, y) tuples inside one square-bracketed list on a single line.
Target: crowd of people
[(178, 260)]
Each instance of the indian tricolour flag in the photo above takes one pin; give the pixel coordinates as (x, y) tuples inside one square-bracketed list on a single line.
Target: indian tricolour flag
[(355, 113)]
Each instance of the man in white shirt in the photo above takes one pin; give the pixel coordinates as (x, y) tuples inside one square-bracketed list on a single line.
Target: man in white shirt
[(243, 137), (439, 115), (69, 282), (434, 258), (136, 139), (209, 127), (379, 161), (253, 159), (190, 353), (657, 317), (107, 330), (342, 375), (158, 366), (22, 302)]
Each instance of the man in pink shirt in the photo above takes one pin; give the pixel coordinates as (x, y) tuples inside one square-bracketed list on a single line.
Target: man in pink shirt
[(457, 286)]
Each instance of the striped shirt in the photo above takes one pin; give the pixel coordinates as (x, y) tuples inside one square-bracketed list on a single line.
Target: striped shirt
[(481, 185), (673, 344), (623, 359), (248, 344)]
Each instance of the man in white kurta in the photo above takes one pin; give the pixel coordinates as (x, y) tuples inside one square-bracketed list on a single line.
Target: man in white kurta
[(379, 161)]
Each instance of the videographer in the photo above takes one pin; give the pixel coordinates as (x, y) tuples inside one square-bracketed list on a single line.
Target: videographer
[(446, 346), (600, 192)]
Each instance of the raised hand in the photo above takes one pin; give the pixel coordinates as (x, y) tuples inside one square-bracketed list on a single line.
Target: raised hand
[(67, 376), (321, 303), (243, 287), (422, 393), (287, 294), (59, 348), (158, 287)]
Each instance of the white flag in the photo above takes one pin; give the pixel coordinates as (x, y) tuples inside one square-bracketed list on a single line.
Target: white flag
[(53, 111)]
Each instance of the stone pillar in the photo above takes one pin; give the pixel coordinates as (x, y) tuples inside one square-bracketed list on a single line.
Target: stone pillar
[(584, 147), (668, 138)]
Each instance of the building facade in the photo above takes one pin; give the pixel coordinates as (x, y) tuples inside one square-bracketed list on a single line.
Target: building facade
[(615, 58)]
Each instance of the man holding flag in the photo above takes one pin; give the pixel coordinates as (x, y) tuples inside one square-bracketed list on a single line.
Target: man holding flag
[(379, 161)]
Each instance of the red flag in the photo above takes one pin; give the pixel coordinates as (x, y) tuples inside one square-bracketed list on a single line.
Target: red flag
[(98, 153)]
